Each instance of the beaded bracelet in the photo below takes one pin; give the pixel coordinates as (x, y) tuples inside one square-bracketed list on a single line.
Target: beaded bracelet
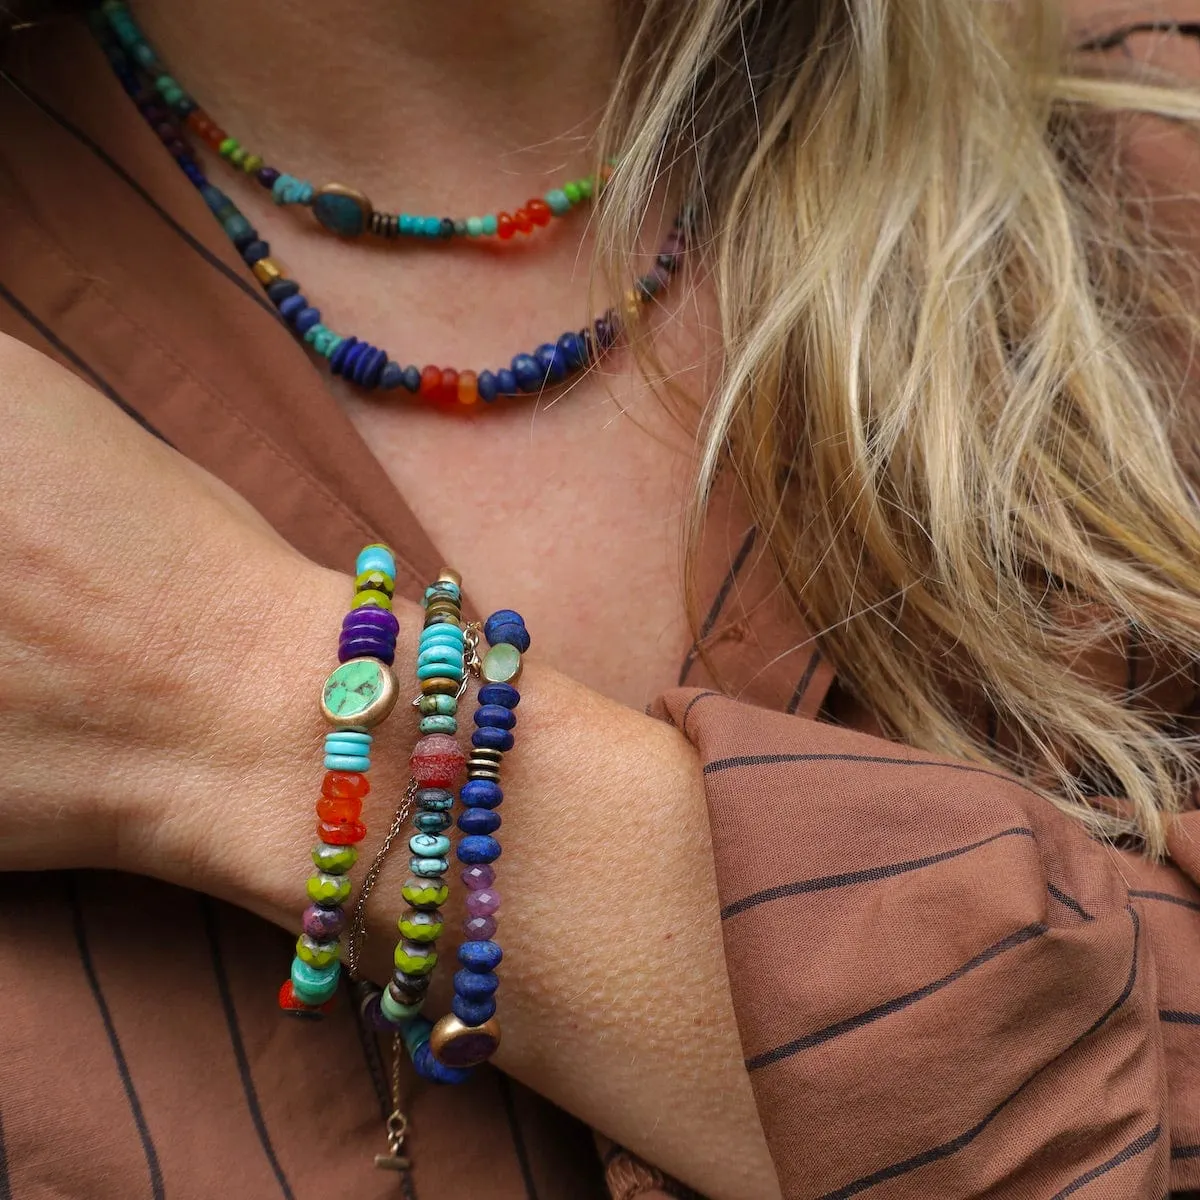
[(358, 695)]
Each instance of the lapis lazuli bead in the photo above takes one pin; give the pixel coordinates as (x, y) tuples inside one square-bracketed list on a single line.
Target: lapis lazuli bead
[(292, 306), (479, 820), (392, 376), (480, 956), (429, 1068), (490, 738), (412, 379), (473, 1012), (551, 362), (527, 372), (485, 384), (475, 985), (499, 693), (281, 289), (339, 355), (506, 382), (478, 848), (570, 346), (495, 716), (306, 318), (255, 251), (481, 793)]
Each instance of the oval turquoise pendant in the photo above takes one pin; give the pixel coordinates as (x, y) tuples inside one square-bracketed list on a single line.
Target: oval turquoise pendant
[(342, 210), (360, 693)]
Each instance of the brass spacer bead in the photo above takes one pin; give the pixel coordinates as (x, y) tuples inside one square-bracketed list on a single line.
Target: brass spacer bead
[(267, 270), (449, 575)]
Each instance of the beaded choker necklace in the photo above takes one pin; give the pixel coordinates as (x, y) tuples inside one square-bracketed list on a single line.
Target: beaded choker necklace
[(172, 114)]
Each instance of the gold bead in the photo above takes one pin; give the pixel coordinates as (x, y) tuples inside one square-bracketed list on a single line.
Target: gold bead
[(449, 575), (439, 687), (456, 1044), (267, 270), (486, 754)]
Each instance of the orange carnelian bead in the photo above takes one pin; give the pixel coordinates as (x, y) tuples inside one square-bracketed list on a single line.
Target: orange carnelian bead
[(290, 1002), (431, 383), (346, 833), (539, 211), (345, 784), (468, 392), (338, 809), (448, 392), (504, 226), (523, 221)]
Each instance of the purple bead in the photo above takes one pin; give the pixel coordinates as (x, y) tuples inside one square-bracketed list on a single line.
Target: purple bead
[(267, 176), (479, 877), (379, 618), (483, 903), (373, 1017), (350, 648), (469, 1048), (479, 929), (323, 924)]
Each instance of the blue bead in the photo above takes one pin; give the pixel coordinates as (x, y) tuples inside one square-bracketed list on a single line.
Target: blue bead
[(392, 376), (405, 224), (480, 956), (433, 226), (481, 793), (350, 362), (551, 361), (369, 367), (292, 306), (475, 985), (347, 762), (512, 633), (473, 1012), (528, 374), (243, 239), (306, 319), (490, 738), (281, 289), (430, 1069), (486, 386), (479, 820), (506, 382), (502, 616), (255, 251), (571, 347), (412, 379), (478, 848), (339, 357), (495, 716), (499, 693), (374, 558)]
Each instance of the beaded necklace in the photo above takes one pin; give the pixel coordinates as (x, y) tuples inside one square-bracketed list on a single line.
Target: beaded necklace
[(168, 110)]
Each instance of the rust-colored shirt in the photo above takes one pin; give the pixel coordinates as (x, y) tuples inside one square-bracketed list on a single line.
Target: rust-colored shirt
[(943, 987)]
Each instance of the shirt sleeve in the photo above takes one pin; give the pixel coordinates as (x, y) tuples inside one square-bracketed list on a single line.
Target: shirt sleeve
[(943, 986)]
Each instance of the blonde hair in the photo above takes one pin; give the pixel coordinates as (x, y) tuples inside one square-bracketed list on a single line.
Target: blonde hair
[(956, 385)]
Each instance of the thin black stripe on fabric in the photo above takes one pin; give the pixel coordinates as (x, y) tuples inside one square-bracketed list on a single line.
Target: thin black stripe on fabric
[(946, 1149), (518, 1138), (76, 361), (209, 916), (897, 1003), (1166, 897), (5, 1184), (1185, 1151), (118, 170), (718, 604), (866, 875), (114, 1043), (687, 712), (802, 687), (1175, 1017), (1138, 1146), (1069, 901)]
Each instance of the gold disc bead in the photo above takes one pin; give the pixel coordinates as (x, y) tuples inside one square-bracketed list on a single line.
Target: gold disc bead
[(456, 1044), (449, 575)]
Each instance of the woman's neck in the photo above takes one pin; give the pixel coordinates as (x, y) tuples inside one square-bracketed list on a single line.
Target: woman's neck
[(438, 98)]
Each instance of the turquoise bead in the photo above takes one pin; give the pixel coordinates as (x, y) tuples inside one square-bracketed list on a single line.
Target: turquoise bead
[(440, 654), (348, 741), (340, 213), (444, 587), (314, 985), (439, 671), (489, 225), (347, 762), (406, 223), (375, 558), (557, 199), (474, 226), (334, 343), (439, 724), (429, 845), (397, 1012), (444, 706), (432, 226), (416, 1034), (427, 643), (432, 822), (429, 868)]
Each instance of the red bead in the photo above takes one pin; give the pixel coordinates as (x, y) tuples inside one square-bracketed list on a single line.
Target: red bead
[(431, 383), (504, 226), (290, 1002), (539, 211), (345, 785), (345, 833), (339, 809), (448, 392), (437, 761), (523, 221)]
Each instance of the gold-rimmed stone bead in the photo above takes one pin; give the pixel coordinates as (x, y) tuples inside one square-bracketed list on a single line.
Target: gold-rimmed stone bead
[(449, 575), (456, 1044), (501, 664), (342, 210), (359, 694), (267, 270)]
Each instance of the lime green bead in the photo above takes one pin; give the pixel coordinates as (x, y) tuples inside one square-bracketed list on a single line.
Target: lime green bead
[(237, 156), (572, 192), (419, 926), (327, 889), (316, 954), (425, 892), (227, 147), (251, 163), (379, 580), (587, 187), (334, 860), (413, 958)]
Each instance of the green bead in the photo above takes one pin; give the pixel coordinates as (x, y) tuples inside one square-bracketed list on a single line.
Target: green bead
[(489, 225), (572, 192), (439, 725), (327, 889), (460, 227), (314, 985), (362, 689), (587, 186), (425, 893), (397, 1012), (238, 156), (334, 860), (474, 226), (421, 926), (334, 343), (413, 958), (251, 163), (316, 954), (557, 199), (445, 706), (227, 147), (501, 664)]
